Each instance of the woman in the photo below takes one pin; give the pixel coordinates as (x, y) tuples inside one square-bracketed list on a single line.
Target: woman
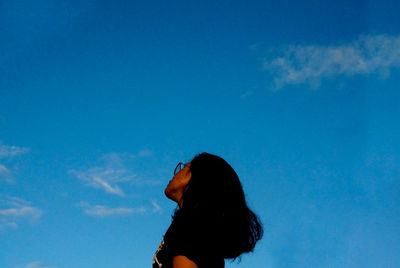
[(212, 221)]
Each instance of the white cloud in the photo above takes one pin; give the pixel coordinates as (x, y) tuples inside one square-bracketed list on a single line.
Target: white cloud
[(156, 207), (101, 183), (7, 223), (25, 211), (14, 210), (38, 264), (5, 174), (107, 176), (297, 64), (105, 211), (113, 170), (11, 151), (3, 169)]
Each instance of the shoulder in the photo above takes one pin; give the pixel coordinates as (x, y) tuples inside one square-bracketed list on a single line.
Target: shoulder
[(193, 249), (181, 261), (190, 238)]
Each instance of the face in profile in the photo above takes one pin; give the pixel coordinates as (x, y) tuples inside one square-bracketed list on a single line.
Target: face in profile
[(176, 186)]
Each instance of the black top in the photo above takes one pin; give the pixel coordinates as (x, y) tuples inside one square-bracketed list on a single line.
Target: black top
[(189, 242)]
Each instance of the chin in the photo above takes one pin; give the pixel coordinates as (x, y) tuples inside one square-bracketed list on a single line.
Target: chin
[(170, 195)]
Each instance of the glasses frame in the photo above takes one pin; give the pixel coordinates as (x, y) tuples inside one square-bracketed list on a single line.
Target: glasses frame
[(179, 167)]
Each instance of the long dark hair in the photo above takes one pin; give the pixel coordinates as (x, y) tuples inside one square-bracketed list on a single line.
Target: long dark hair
[(214, 204)]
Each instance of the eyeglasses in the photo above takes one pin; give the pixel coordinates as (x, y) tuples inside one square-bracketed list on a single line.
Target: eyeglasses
[(179, 167)]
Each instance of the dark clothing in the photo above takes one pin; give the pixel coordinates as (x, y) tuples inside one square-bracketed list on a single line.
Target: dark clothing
[(189, 242)]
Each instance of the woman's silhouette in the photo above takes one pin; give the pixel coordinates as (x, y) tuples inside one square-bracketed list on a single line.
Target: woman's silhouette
[(212, 221)]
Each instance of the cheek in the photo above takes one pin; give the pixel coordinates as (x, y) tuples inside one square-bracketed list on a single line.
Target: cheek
[(176, 185), (171, 187)]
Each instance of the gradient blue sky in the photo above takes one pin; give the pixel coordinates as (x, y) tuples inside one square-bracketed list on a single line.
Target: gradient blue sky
[(99, 100)]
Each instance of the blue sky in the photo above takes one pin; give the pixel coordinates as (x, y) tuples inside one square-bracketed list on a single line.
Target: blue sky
[(99, 100)]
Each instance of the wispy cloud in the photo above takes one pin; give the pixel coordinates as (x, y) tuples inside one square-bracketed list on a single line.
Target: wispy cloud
[(38, 264), (11, 151), (296, 64), (105, 211), (112, 171), (5, 174), (3, 169), (107, 176), (98, 182), (156, 207), (8, 152), (23, 211), (14, 210)]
